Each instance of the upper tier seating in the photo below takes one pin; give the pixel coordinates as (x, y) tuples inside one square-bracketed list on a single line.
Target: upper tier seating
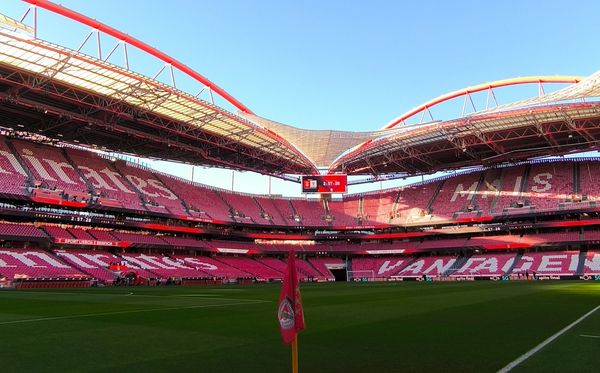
[(344, 213), (377, 208), (111, 187), (311, 213), (510, 188), (548, 184), (12, 173), (456, 194), (33, 263), (548, 263), (201, 201), (51, 169), (488, 191), (157, 196), (245, 209), (589, 180), (272, 208), (413, 203)]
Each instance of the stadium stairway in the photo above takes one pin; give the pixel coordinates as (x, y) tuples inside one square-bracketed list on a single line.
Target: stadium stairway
[(17, 156), (460, 262), (581, 264), (181, 200), (514, 263), (130, 184), (394, 207), (434, 196), (87, 182)]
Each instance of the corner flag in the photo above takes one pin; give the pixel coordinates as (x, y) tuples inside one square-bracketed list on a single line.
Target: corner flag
[(289, 313)]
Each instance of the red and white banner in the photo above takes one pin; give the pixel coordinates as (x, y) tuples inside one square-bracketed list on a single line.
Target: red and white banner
[(289, 313)]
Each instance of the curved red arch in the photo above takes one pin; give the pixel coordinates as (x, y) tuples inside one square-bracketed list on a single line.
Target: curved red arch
[(78, 17), (461, 92), (482, 87)]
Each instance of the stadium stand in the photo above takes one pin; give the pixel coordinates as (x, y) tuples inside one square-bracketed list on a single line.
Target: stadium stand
[(344, 213), (34, 263), (93, 263), (548, 263), (482, 265), (591, 263), (414, 202), (155, 195), (12, 173), (112, 189), (16, 230), (323, 265), (430, 266), (201, 201), (51, 170), (163, 266), (549, 184), (378, 268), (378, 208), (251, 266), (456, 194), (308, 213), (213, 267), (511, 184)]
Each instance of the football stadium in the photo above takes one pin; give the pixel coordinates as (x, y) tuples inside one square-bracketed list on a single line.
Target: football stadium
[(481, 253)]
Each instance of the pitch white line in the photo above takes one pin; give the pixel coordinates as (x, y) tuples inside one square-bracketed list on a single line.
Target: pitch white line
[(589, 336), (129, 311), (537, 348)]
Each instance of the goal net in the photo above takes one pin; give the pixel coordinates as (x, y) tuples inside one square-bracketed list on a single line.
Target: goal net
[(362, 275)]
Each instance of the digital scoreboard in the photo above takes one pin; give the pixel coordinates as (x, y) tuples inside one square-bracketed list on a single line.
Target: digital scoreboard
[(324, 183)]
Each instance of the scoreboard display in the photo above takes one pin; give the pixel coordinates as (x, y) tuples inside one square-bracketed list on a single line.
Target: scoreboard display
[(324, 183)]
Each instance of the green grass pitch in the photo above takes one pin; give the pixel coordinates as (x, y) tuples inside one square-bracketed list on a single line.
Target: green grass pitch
[(351, 327)]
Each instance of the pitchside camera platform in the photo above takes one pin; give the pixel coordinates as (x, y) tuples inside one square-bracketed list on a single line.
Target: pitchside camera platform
[(324, 183)]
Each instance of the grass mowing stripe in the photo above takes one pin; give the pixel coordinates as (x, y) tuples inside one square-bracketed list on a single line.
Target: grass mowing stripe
[(130, 311), (537, 348), (131, 294)]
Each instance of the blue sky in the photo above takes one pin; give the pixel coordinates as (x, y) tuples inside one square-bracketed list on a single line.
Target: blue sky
[(348, 64)]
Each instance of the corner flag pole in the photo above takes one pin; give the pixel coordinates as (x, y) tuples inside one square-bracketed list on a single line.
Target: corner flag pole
[(295, 354), (290, 314)]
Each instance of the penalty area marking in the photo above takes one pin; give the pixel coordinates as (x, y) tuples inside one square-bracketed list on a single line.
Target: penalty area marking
[(537, 348), (130, 311), (589, 336)]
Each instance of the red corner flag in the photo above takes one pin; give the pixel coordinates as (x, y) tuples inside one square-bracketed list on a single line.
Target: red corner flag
[(289, 313)]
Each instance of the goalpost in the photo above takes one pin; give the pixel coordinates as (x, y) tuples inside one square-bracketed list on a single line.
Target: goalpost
[(368, 274)]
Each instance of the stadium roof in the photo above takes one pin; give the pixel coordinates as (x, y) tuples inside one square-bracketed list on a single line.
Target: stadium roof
[(63, 93)]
